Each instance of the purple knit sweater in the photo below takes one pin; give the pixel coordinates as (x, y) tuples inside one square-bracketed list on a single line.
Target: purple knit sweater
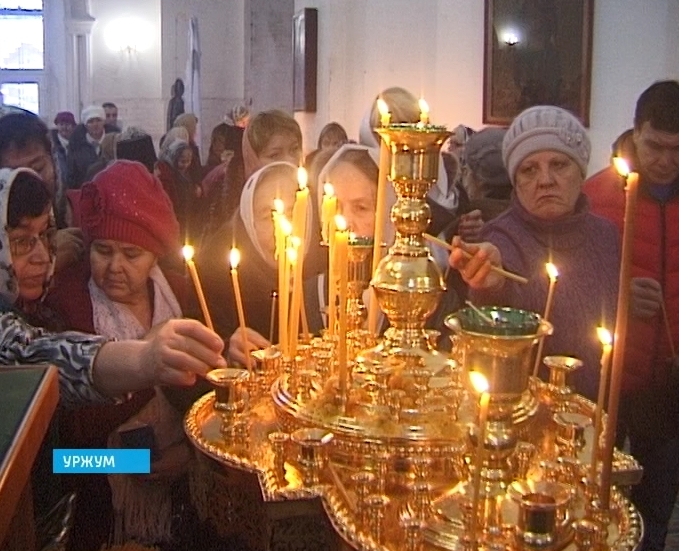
[(586, 250)]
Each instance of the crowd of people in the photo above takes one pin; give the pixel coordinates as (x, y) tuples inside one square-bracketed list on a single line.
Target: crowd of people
[(92, 281)]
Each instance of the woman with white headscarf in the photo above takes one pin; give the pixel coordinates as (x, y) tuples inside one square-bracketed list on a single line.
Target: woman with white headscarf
[(251, 230)]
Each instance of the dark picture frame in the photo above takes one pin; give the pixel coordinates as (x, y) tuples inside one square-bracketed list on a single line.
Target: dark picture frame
[(305, 57), (537, 52)]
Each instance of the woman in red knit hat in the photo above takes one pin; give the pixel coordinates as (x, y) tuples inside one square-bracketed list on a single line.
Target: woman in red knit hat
[(119, 291)]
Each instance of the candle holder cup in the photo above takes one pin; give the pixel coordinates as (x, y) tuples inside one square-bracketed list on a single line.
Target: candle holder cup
[(229, 386), (312, 452)]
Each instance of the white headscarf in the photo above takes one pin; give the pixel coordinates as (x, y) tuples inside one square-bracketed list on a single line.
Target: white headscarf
[(374, 153), (247, 214)]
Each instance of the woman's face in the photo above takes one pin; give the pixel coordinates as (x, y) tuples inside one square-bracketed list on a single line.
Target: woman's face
[(548, 183), (356, 198), (30, 244), (281, 147), (120, 269), (272, 186), (184, 160)]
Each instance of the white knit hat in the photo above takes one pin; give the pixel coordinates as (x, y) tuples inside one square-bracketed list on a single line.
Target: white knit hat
[(92, 112), (545, 127)]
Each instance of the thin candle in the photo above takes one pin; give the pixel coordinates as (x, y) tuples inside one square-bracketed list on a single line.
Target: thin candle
[(606, 342), (553, 274), (299, 220), (188, 252), (283, 285), (380, 214), (234, 260), (342, 253), (480, 384), (332, 279), (621, 318), (328, 210)]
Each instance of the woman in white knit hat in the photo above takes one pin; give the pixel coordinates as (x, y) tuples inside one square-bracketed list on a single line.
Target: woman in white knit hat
[(546, 151)]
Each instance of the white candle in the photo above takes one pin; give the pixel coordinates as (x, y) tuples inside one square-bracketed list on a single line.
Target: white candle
[(553, 274), (606, 340), (234, 259), (188, 253), (480, 384)]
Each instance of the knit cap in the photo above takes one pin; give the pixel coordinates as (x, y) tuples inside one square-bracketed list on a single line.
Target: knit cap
[(126, 203), (92, 112), (545, 127)]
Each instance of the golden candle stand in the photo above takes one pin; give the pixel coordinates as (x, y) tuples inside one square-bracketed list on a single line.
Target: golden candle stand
[(391, 462)]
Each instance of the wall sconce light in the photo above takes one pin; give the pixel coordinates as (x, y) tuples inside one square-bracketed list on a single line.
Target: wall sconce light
[(129, 35), (510, 38)]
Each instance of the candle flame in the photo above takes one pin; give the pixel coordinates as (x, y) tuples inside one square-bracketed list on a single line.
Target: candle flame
[(302, 177), (604, 336), (279, 206), (621, 166), (340, 223), (479, 381), (552, 272), (234, 258), (382, 107), (424, 106), (286, 225), (291, 253), (328, 189), (187, 252)]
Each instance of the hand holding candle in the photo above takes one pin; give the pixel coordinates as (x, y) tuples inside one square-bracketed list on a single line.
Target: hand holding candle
[(188, 252), (553, 274), (606, 340), (234, 259)]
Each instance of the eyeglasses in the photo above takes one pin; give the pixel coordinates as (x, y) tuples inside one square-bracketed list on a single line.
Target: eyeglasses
[(21, 246)]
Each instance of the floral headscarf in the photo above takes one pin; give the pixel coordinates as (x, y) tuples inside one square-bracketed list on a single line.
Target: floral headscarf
[(9, 286)]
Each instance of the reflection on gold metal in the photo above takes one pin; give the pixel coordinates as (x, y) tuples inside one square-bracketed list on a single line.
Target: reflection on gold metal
[(393, 458)]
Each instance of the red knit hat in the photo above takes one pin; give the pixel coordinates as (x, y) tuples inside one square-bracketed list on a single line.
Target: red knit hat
[(126, 203)]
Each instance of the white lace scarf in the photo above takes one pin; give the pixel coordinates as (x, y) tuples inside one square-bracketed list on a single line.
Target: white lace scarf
[(115, 320)]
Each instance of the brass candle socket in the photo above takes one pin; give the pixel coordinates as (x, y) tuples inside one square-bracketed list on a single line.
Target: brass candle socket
[(364, 485), (542, 511), (376, 505), (229, 385), (413, 528), (279, 443), (312, 453), (560, 367), (570, 433)]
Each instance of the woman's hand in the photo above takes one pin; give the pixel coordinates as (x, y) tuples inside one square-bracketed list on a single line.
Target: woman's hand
[(172, 353), (476, 269), (645, 297), (255, 341), (470, 226)]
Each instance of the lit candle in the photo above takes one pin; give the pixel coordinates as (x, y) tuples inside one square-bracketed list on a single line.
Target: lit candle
[(553, 274), (234, 259), (480, 384), (328, 210), (424, 112), (332, 279), (188, 252), (380, 215), (385, 115), (606, 340), (296, 298), (342, 254), (283, 285), (299, 219), (631, 188)]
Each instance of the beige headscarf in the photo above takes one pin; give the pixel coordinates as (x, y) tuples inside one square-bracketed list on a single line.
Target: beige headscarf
[(188, 121)]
